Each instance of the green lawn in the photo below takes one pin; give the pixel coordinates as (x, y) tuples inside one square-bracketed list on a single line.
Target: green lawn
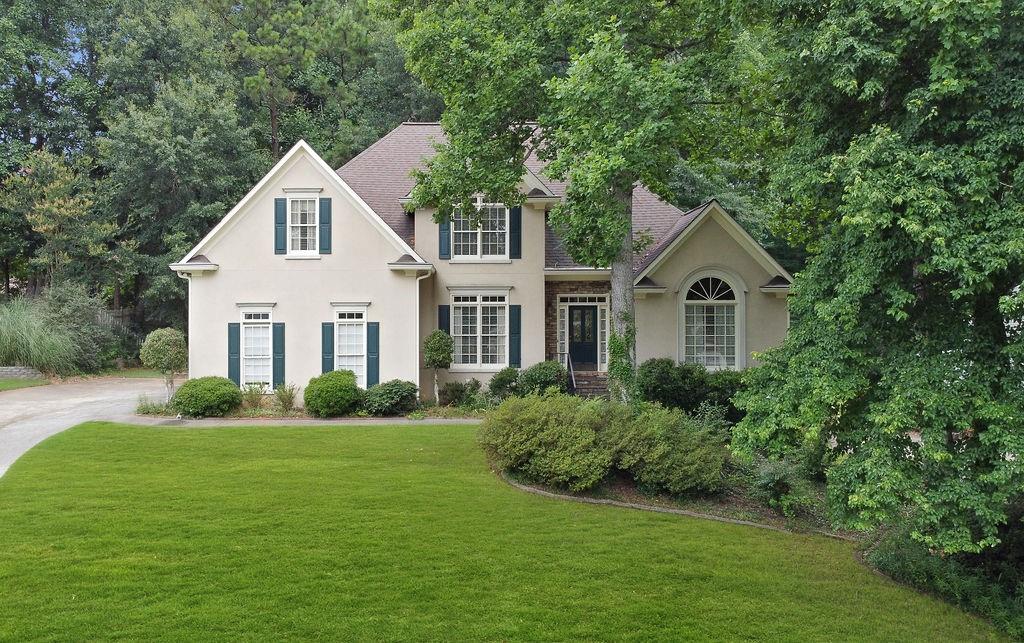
[(12, 383), (113, 531)]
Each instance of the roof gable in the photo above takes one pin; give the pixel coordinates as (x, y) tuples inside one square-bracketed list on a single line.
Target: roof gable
[(300, 150)]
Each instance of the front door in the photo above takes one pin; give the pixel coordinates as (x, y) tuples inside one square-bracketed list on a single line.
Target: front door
[(583, 337)]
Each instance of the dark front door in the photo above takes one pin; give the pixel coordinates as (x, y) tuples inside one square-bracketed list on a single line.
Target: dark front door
[(583, 337)]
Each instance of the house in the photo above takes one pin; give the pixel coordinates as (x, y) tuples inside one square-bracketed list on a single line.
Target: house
[(317, 269)]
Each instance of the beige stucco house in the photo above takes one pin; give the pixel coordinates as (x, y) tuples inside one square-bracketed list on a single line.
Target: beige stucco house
[(317, 269)]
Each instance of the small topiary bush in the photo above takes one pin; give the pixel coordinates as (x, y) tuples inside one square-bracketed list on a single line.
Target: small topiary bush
[(207, 397), (672, 451), (553, 439), (542, 376), (332, 394), (395, 397), (504, 384)]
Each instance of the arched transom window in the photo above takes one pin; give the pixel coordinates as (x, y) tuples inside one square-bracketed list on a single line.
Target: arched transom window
[(709, 324)]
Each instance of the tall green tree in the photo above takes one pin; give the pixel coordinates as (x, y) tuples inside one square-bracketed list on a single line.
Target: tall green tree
[(618, 89), (904, 176)]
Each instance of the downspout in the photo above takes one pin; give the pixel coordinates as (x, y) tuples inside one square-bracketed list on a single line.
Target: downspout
[(416, 329)]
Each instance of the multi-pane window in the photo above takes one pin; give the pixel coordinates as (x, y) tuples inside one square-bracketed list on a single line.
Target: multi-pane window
[(480, 235), (480, 330), (257, 349), (350, 343), (710, 324), (302, 226)]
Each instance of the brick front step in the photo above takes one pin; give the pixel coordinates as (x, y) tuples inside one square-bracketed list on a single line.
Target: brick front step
[(591, 384)]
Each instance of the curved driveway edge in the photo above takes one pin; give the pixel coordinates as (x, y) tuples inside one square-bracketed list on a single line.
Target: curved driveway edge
[(30, 415)]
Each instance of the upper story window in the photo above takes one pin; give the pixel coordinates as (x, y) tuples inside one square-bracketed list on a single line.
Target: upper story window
[(302, 226), (489, 240)]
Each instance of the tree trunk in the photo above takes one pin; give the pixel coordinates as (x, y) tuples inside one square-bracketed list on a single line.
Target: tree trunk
[(275, 144), (437, 398), (7, 277), (623, 318), (169, 384)]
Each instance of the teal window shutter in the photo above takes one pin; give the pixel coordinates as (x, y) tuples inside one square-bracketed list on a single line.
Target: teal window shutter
[(444, 239), (372, 353), (234, 353), (280, 226), (515, 233), (327, 347), (444, 319), (515, 336), (325, 226), (278, 338)]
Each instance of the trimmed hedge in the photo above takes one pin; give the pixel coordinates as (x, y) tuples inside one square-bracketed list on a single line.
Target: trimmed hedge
[(332, 394), (542, 376), (394, 397), (688, 386), (574, 442), (210, 396)]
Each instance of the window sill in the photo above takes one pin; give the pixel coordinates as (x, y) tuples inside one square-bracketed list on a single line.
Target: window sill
[(483, 260), (302, 257), (490, 368)]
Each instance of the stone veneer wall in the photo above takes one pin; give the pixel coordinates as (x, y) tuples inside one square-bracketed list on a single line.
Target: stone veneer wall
[(19, 373), (552, 289)]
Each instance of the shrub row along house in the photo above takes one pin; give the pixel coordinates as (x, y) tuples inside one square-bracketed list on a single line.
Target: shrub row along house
[(316, 269)]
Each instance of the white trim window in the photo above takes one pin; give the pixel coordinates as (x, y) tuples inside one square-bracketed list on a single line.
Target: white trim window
[(257, 340), (480, 331), (350, 342), (601, 301), (303, 235), (710, 314), (486, 241)]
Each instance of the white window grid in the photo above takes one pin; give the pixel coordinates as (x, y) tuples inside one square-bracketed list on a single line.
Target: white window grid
[(562, 340), (302, 226), (488, 240), (709, 324), (350, 343), (257, 349), (480, 331)]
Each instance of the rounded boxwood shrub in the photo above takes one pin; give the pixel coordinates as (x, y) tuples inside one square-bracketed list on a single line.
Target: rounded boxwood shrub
[(210, 396), (395, 397), (453, 393), (504, 384), (542, 376), (553, 439), (332, 394)]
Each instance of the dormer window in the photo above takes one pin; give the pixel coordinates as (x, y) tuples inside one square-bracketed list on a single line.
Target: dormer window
[(488, 240), (302, 226)]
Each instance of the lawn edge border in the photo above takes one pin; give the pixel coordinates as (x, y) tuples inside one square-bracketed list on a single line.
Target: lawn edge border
[(665, 510)]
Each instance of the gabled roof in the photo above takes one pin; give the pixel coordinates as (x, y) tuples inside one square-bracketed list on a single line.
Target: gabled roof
[(298, 150)]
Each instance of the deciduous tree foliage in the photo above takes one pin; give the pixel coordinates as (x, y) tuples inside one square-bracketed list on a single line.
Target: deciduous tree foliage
[(617, 89), (904, 175)]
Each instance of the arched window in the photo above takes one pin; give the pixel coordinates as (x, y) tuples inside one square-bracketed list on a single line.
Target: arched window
[(710, 311)]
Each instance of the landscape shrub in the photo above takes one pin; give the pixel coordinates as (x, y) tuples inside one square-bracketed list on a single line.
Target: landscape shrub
[(670, 450), (542, 376), (209, 396), (395, 397), (688, 386), (780, 485), (84, 318), (252, 396), (332, 394), (284, 397), (504, 383), (165, 351), (553, 439), (148, 406), (451, 393), (28, 339), (963, 579)]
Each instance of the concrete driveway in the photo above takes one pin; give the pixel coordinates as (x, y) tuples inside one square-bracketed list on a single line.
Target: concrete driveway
[(30, 415)]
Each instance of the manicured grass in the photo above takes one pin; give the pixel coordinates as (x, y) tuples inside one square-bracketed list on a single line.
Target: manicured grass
[(113, 531), (12, 383)]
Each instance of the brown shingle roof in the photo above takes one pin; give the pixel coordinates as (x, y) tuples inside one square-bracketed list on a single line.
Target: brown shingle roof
[(380, 175)]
